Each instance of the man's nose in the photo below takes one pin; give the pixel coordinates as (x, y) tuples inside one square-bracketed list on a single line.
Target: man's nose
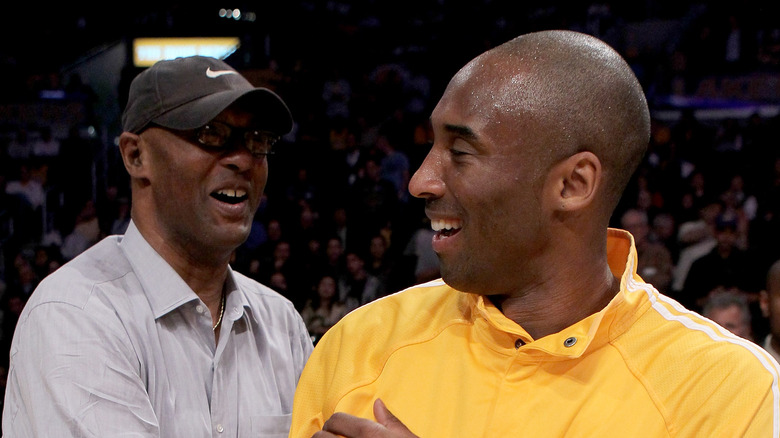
[(427, 180)]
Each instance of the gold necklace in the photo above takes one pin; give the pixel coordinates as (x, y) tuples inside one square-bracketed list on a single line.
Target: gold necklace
[(221, 312)]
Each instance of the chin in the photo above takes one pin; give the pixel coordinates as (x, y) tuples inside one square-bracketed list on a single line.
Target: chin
[(456, 279), (463, 281), (231, 236)]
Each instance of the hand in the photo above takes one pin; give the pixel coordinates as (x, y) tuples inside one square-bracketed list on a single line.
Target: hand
[(349, 426)]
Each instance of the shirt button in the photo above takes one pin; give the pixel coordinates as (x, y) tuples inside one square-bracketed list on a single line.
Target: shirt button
[(220, 429), (200, 309), (519, 343)]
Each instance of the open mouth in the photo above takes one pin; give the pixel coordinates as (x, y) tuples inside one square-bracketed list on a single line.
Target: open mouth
[(446, 227), (230, 196)]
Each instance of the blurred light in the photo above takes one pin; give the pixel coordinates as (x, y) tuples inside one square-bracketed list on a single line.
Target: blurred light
[(52, 94), (237, 14), (147, 51)]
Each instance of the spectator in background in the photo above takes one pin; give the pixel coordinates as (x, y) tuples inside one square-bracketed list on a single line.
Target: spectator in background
[(730, 309), (20, 146), (47, 146), (339, 225), (394, 166), (770, 308), (357, 286), (274, 235), (26, 187), (697, 194), (664, 231), (740, 197), (696, 238), (382, 265), (282, 260), (374, 200), (85, 233), (726, 265), (46, 260), (419, 249), (23, 278), (324, 308), (121, 219), (24, 199), (334, 264)]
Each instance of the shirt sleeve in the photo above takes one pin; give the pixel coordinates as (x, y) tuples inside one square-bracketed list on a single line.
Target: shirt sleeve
[(74, 372), (310, 395)]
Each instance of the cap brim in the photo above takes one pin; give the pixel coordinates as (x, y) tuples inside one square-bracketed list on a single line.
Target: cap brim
[(271, 113)]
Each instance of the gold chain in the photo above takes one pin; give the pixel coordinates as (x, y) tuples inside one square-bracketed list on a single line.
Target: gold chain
[(221, 312)]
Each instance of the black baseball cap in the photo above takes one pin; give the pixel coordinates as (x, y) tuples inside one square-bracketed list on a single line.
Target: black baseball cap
[(186, 93)]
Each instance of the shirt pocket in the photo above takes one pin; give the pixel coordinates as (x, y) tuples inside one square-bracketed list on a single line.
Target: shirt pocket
[(271, 426)]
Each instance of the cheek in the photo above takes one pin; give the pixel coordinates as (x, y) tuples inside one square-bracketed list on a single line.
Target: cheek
[(507, 202), (261, 174)]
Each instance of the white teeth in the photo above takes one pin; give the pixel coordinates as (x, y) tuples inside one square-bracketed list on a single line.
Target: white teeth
[(445, 224), (232, 193)]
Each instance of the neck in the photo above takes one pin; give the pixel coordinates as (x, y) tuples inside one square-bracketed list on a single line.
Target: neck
[(204, 275), (544, 310), (565, 291)]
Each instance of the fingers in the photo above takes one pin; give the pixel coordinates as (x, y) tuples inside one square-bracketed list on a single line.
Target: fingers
[(383, 415), (387, 419), (350, 426)]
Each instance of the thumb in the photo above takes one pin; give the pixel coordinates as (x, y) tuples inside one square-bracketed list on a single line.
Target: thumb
[(387, 419)]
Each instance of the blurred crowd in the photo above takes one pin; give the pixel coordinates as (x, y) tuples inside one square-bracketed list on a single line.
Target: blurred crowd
[(337, 227)]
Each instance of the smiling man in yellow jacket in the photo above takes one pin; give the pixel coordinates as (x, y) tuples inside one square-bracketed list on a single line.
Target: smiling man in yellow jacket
[(540, 325)]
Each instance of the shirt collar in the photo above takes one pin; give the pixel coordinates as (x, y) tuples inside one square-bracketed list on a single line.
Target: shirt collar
[(596, 329), (163, 286)]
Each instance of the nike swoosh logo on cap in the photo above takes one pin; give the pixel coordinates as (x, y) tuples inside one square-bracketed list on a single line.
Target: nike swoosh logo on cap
[(217, 73)]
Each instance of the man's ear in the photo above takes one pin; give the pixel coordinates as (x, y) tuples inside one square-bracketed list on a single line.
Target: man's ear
[(131, 149), (575, 182)]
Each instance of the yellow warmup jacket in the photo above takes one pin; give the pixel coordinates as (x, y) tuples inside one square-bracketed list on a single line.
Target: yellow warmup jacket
[(449, 364)]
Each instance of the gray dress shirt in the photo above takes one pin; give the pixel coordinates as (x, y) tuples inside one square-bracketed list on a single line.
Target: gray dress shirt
[(115, 343)]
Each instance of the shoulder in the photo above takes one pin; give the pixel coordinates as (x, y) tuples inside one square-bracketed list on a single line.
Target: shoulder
[(84, 305), (674, 351), (405, 317), (75, 282)]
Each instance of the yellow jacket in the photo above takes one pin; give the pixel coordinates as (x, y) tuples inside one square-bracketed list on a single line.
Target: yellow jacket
[(446, 364)]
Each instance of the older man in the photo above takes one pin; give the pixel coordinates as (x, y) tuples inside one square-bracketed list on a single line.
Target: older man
[(152, 333)]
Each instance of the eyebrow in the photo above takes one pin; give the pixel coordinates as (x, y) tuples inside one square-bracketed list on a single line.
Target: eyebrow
[(462, 131)]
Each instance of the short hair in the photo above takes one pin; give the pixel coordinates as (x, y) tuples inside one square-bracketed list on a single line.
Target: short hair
[(588, 94), (725, 298)]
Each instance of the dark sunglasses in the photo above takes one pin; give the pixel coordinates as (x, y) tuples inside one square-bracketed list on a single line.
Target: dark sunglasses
[(219, 135)]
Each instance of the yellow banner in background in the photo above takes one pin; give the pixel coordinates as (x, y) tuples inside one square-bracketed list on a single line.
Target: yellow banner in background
[(147, 51)]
